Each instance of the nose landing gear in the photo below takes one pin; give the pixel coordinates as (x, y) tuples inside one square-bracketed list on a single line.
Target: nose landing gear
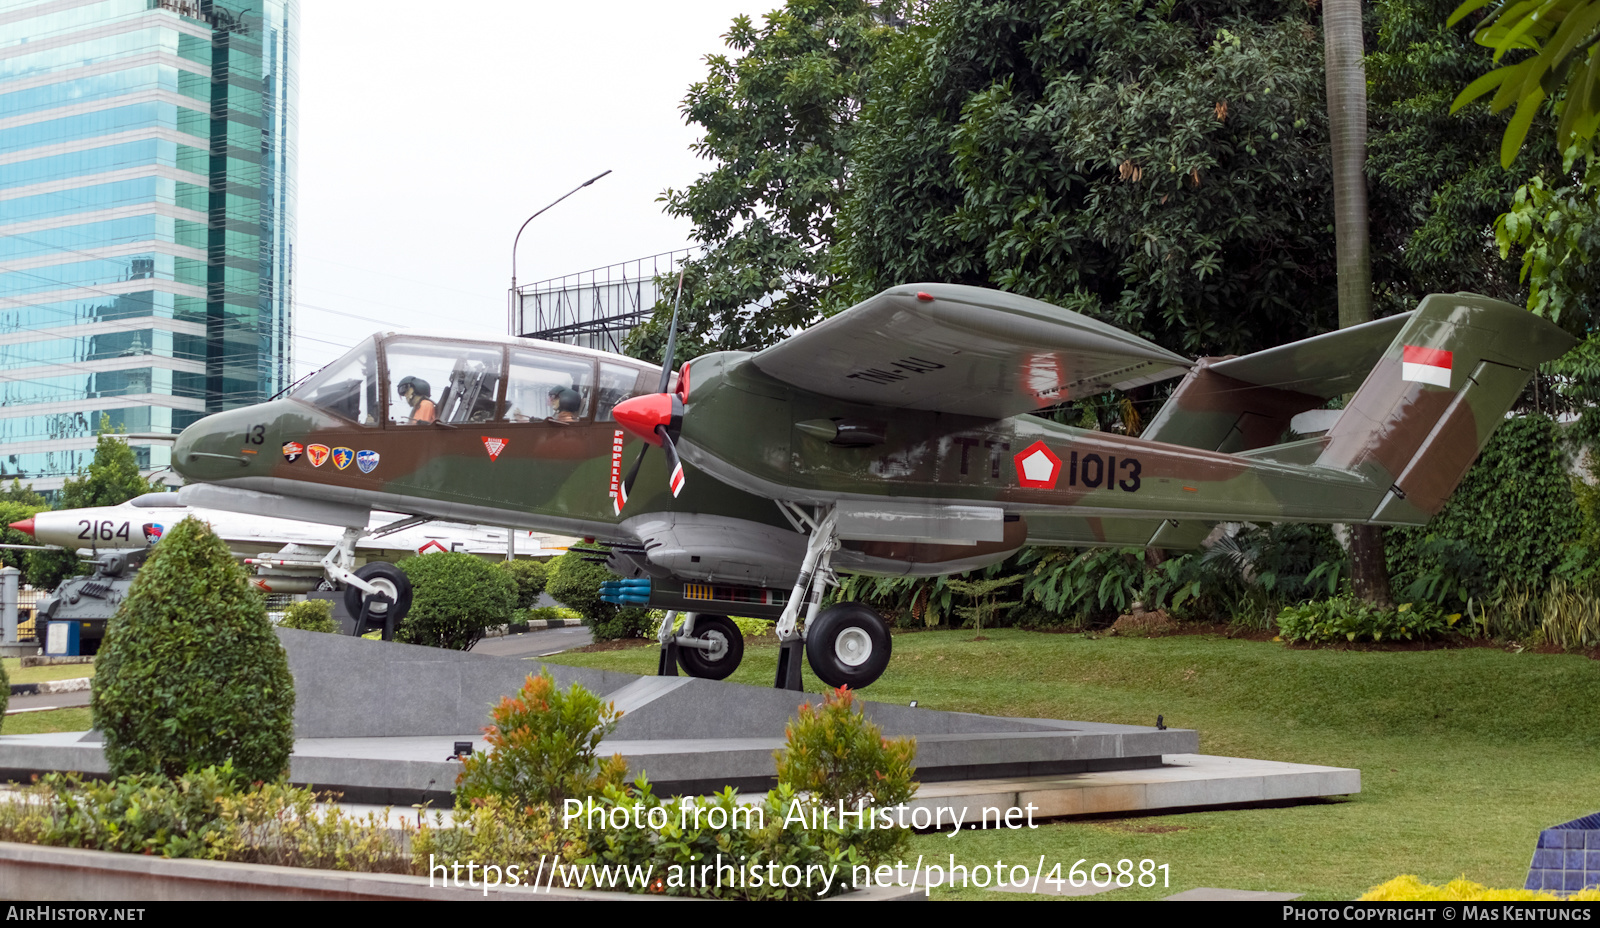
[(378, 595), (383, 608)]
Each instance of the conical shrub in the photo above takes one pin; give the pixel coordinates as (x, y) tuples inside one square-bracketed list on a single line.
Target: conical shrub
[(190, 674)]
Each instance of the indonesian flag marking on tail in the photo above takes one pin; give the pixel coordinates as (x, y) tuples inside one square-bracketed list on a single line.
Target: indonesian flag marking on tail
[(1426, 365)]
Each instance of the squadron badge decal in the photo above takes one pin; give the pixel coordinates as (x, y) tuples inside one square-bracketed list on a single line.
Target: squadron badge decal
[(367, 461), (317, 454), (343, 456), (292, 451)]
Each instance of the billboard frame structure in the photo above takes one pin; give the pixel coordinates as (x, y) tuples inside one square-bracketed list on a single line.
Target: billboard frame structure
[(596, 308)]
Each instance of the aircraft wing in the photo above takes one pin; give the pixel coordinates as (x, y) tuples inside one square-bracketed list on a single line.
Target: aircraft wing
[(965, 350)]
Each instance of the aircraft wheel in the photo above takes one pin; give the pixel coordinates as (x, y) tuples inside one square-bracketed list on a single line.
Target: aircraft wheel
[(388, 578), (721, 660), (848, 645)]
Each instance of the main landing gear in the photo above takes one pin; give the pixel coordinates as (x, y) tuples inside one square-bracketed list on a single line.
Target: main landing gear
[(847, 644)]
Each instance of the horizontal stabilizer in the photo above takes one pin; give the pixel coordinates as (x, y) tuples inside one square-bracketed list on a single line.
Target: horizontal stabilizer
[(1241, 404), (1324, 366)]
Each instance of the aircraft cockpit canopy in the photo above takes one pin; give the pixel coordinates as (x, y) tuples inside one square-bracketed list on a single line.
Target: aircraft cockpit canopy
[(348, 387), (422, 380)]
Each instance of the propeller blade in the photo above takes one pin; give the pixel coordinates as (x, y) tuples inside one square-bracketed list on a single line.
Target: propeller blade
[(627, 482), (672, 340), (674, 465)]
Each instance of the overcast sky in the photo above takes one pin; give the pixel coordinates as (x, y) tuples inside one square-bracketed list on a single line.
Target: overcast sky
[(429, 132)]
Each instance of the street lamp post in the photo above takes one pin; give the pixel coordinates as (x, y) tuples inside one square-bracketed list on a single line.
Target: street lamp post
[(511, 310)]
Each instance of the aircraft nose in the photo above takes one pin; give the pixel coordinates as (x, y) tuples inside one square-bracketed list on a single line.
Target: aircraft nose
[(210, 449), (26, 525)]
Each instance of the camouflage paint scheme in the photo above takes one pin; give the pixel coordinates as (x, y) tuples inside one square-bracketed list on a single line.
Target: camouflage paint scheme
[(921, 396)]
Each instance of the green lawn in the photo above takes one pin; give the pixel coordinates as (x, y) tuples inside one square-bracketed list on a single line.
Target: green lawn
[(34, 723), (15, 671), (1464, 754)]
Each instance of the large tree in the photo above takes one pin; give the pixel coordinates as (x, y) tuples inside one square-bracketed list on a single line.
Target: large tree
[(1160, 166), (1345, 68), (777, 118), (1554, 54), (1436, 187)]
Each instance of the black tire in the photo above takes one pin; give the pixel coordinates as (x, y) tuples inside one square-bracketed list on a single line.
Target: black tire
[(708, 665), (848, 645), (386, 576)]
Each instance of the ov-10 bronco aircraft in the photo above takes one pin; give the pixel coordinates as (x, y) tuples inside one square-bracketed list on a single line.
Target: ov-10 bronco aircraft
[(894, 438)]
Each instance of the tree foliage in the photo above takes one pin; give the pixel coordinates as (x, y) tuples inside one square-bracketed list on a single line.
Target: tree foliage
[(191, 674), (575, 583), (1160, 166), (1515, 510), (1555, 46), (529, 577), (1435, 188), (16, 505), (1556, 227), (543, 748), (778, 119)]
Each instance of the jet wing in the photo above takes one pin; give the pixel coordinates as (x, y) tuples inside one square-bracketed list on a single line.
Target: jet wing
[(965, 350)]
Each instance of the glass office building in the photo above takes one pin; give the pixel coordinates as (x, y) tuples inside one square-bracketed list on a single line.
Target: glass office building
[(146, 220)]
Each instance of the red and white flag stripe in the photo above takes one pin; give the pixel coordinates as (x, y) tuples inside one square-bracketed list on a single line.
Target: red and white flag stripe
[(1426, 365), (676, 480)]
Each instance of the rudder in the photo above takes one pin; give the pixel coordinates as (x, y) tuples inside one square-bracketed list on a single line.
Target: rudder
[(1435, 397)]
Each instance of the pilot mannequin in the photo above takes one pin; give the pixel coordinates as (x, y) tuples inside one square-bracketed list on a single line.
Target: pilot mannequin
[(565, 405), (415, 391)]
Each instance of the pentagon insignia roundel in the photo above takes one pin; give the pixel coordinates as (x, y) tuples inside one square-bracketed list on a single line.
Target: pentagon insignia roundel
[(1038, 467)]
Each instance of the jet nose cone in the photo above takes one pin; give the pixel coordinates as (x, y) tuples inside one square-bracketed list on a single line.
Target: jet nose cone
[(642, 414), (26, 525)]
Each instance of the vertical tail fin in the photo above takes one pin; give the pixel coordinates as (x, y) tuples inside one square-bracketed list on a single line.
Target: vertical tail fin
[(1435, 397)]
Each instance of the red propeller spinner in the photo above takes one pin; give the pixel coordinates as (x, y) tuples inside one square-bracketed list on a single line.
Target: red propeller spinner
[(657, 418), (642, 415)]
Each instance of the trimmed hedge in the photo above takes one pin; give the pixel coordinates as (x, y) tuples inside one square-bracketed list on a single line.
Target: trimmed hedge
[(529, 577), (312, 615), (575, 583), (454, 596), (191, 674)]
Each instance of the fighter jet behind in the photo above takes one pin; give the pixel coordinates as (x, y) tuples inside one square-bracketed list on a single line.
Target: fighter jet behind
[(285, 554), (896, 438)]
